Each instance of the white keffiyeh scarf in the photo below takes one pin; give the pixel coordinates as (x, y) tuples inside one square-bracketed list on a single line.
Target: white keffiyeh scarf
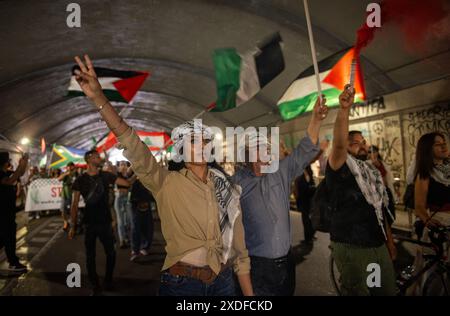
[(441, 173), (370, 182), (227, 196)]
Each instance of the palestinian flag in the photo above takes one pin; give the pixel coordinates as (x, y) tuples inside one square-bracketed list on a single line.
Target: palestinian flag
[(240, 77), (154, 140), (334, 74), (62, 155), (117, 85)]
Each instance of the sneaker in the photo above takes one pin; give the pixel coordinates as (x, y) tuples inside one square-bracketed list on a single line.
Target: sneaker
[(134, 256), (18, 267), (144, 252)]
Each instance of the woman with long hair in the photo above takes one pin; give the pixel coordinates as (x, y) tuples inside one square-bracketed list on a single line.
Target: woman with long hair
[(432, 184), (431, 191)]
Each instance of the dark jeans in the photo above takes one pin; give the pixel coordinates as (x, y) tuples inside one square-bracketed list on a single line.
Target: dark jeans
[(104, 233), (273, 277), (172, 285), (141, 229), (8, 228)]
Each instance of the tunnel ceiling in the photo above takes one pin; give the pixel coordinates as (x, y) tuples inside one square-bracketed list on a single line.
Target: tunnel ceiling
[(173, 40)]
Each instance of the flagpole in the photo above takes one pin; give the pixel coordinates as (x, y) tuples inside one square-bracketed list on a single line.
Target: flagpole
[(313, 49)]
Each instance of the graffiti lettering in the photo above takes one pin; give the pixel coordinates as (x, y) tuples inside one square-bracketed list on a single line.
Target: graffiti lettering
[(370, 107)]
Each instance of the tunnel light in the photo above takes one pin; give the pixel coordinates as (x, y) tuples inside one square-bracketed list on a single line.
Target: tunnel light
[(25, 141)]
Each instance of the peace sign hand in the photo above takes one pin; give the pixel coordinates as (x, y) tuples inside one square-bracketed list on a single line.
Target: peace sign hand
[(87, 79)]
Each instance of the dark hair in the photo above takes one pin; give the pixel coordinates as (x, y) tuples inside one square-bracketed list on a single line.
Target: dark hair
[(374, 148), (89, 153), (353, 133), (70, 164), (424, 157), (177, 166)]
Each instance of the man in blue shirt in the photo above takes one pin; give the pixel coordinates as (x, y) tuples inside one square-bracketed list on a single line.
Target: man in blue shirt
[(265, 210)]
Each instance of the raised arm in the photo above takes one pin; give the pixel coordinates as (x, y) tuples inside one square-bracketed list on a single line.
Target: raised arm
[(144, 164), (338, 154), (319, 113), (293, 165)]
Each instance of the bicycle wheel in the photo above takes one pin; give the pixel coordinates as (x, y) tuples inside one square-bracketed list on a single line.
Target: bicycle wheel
[(437, 284), (335, 276)]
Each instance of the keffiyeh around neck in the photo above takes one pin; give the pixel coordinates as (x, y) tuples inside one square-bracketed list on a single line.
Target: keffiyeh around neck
[(371, 184), (227, 196), (441, 173)]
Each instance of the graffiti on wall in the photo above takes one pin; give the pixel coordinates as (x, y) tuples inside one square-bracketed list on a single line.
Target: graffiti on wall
[(385, 134), (371, 107), (417, 123)]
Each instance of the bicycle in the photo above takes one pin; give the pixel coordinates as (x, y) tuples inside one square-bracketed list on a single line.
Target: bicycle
[(436, 284)]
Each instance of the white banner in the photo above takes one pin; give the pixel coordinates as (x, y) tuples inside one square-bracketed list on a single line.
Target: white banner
[(45, 194)]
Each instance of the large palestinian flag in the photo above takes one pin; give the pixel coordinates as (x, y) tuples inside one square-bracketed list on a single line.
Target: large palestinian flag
[(334, 74), (240, 76), (62, 155), (154, 140), (117, 85)]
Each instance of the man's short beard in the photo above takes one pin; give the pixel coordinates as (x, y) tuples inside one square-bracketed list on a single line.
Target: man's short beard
[(362, 156)]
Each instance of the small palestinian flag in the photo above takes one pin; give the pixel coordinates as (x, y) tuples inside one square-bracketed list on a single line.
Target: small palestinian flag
[(154, 140), (334, 74), (62, 155), (240, 77), (117, 85)]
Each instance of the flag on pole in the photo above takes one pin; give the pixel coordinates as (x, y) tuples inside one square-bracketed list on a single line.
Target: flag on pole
[(239, 77), (62, 155), (154, 140), (117, 85), (334, 72)]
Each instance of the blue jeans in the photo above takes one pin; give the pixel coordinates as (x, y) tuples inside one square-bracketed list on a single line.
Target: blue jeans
[(172, 285), (121, 207), (141, 228)]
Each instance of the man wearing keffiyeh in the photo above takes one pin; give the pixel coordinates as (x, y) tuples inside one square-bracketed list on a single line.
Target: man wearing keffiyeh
[(359, 232)]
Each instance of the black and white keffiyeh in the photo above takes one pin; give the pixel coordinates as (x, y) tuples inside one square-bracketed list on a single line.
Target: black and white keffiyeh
[(441, 173), (227, 196), (370, 182), (179, 133)]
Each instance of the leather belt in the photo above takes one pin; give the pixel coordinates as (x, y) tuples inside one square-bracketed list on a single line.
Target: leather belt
[(204, 274)]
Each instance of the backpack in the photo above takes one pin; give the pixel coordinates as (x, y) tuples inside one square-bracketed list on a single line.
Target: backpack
[(322, 207)]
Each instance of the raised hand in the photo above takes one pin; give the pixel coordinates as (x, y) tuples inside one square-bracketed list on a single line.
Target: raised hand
[(87, 79), (347, 97), (320, 110)]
